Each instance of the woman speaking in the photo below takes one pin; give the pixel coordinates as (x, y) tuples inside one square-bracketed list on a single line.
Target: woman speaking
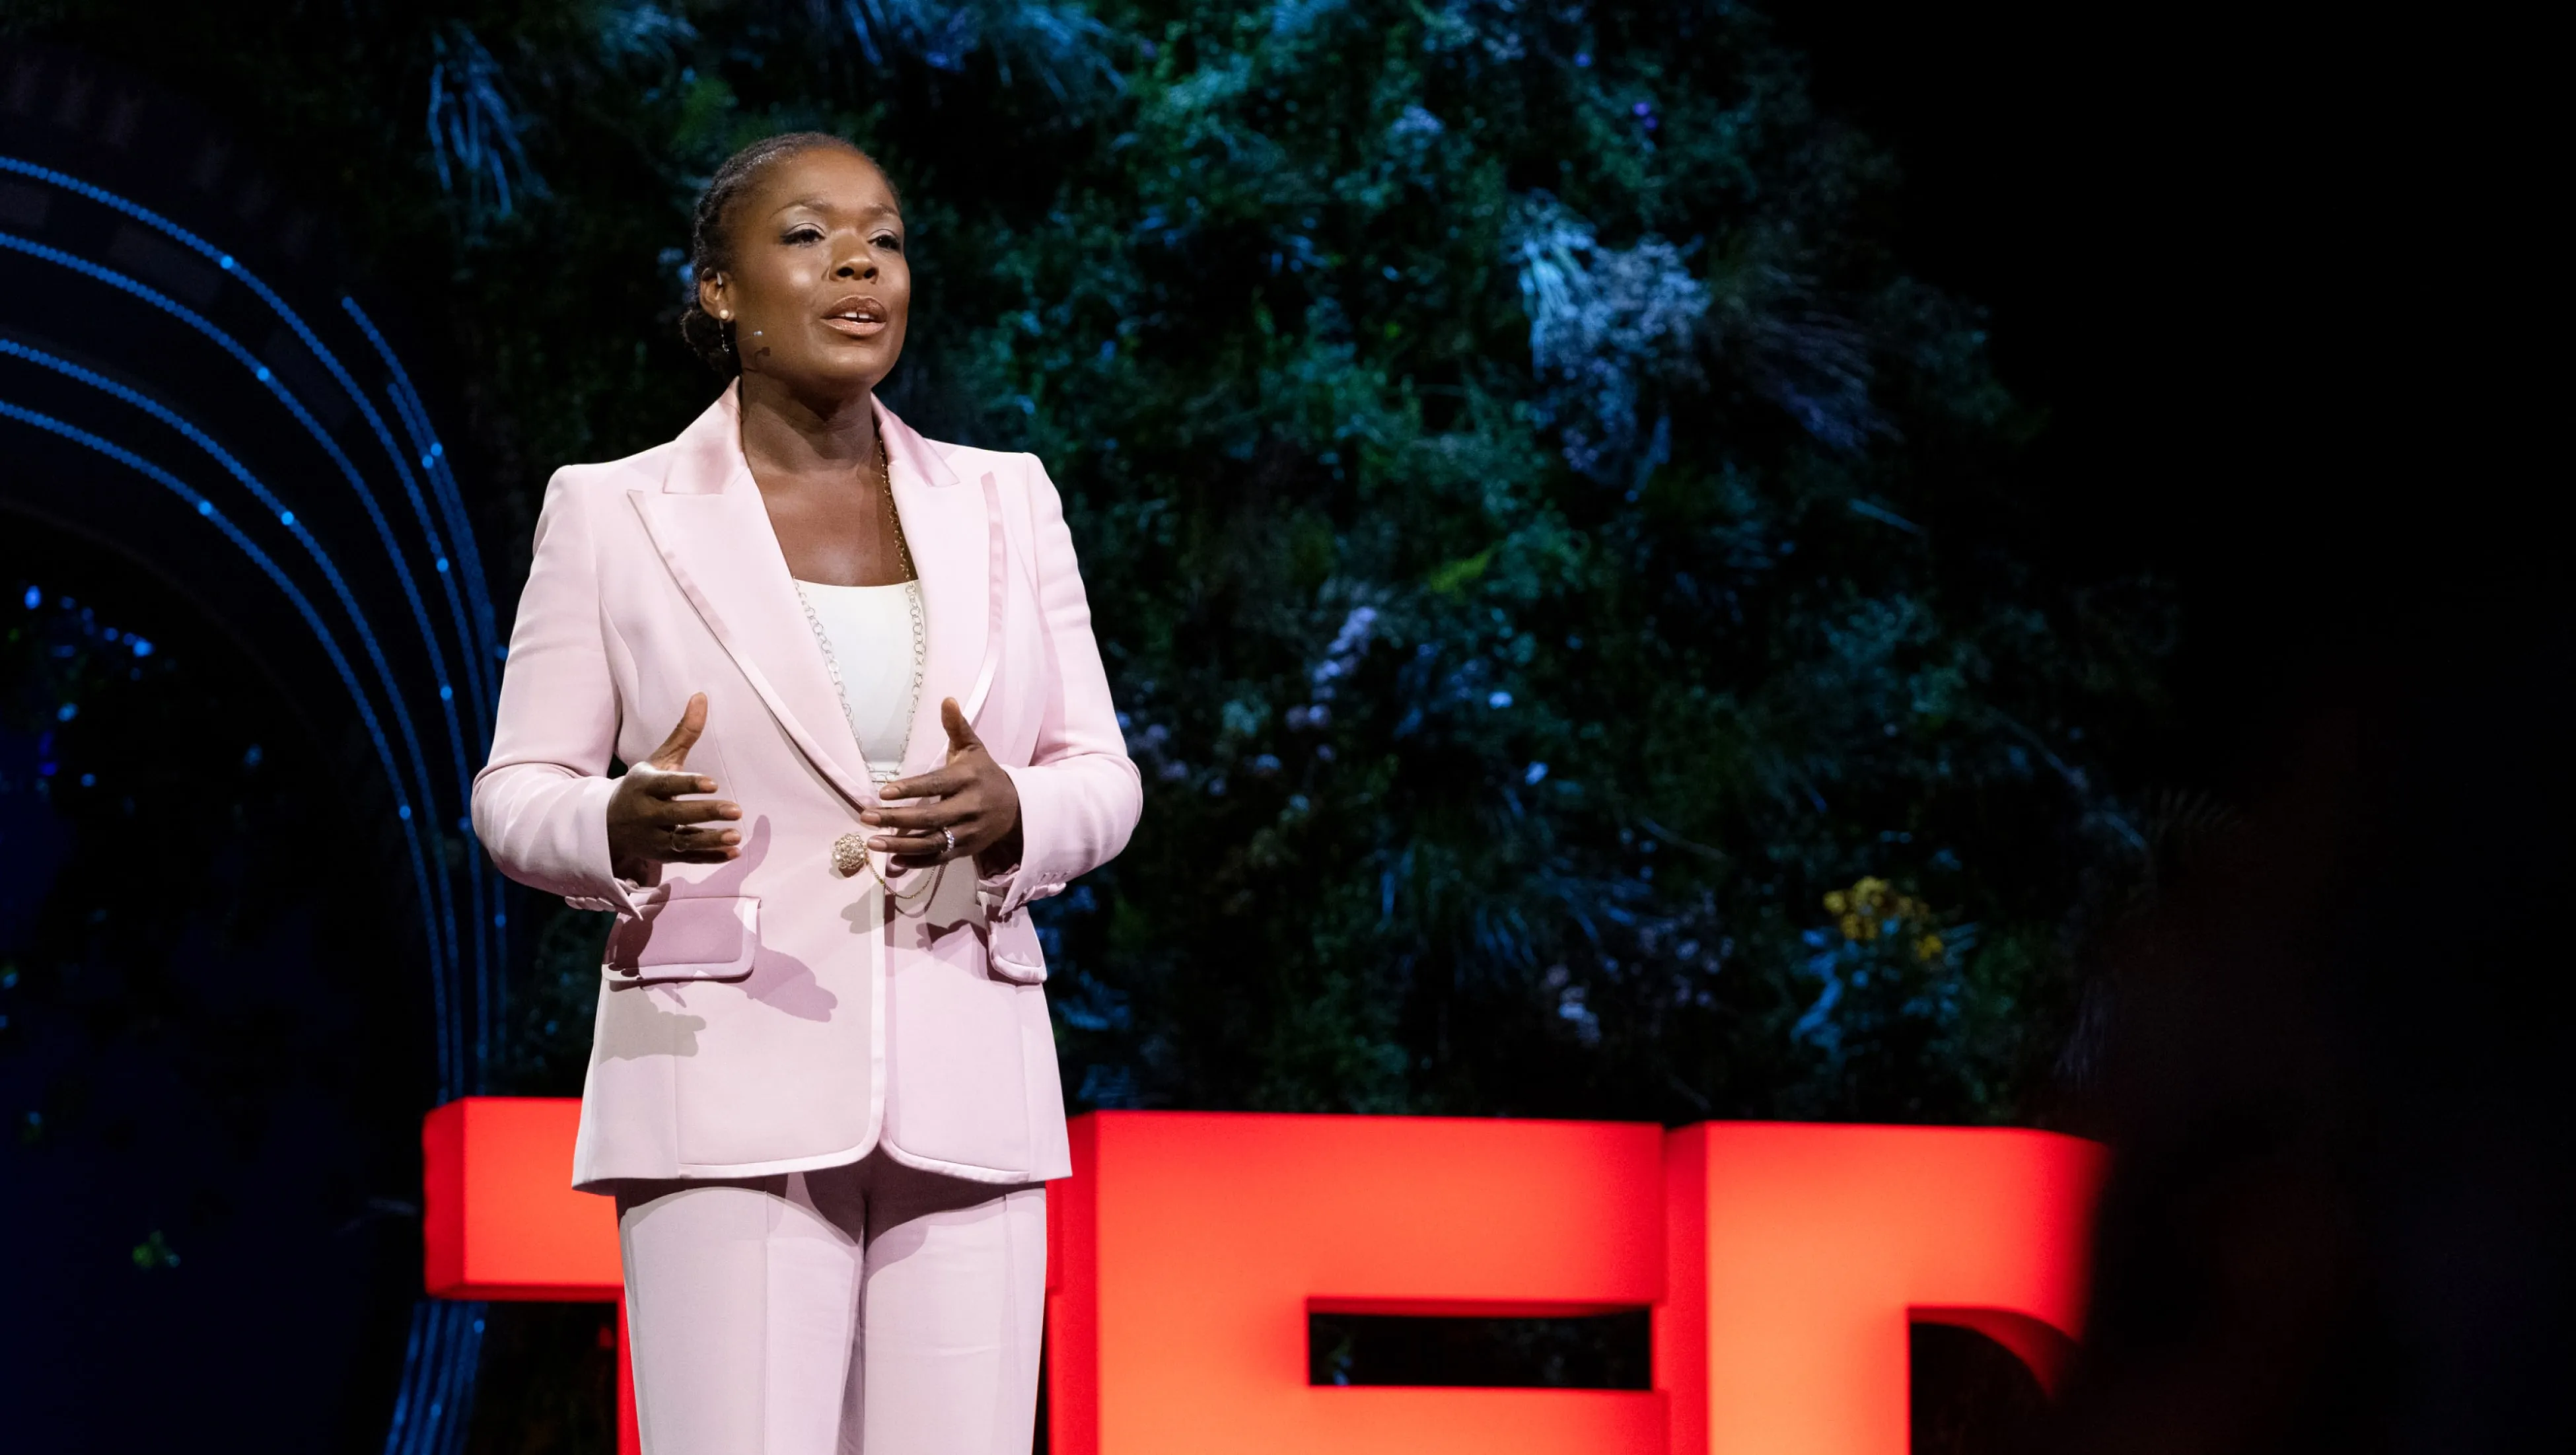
[(853, 669)]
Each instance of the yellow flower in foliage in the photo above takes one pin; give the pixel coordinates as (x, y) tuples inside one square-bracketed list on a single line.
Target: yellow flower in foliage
[(1871, 906)]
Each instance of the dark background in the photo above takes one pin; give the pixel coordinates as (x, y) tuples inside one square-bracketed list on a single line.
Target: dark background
[(2185, 225)]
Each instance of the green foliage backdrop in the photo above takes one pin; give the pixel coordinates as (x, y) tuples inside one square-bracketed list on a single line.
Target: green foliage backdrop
[(1544, 543)]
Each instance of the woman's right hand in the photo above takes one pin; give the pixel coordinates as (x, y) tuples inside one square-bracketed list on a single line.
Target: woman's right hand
[(650, 823)]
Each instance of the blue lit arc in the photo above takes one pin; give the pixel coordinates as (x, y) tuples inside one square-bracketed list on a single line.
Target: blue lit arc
[(268, 566), (434, 539), (304, 536), (445, 918)]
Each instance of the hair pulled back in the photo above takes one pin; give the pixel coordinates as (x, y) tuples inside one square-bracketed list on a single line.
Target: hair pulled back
[(711, 239)]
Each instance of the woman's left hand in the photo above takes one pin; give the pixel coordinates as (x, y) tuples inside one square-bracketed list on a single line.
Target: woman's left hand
[(969, 796)]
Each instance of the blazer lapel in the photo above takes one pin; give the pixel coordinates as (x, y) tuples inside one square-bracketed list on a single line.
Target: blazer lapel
[(955, 537), (713, 534)]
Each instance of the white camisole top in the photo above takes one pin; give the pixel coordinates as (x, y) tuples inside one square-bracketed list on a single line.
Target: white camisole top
[(871, 634)]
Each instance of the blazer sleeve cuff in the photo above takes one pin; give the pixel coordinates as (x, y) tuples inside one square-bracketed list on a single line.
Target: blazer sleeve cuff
[(1034, 877), (993, 892), (598, 885)]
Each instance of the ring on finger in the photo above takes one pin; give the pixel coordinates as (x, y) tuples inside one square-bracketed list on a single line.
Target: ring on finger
[(948, 838), (674, 832)]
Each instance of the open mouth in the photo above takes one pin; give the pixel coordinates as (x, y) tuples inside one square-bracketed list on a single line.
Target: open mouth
[(857, 317)]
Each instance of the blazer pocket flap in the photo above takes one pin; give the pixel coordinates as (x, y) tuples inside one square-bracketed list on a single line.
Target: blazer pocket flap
[(703, 938), (1014, 951)]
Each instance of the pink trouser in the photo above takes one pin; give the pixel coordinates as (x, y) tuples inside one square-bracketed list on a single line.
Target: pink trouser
[(872, 1309)]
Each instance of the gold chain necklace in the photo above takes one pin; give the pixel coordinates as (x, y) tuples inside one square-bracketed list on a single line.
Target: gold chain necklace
[(850, 851)]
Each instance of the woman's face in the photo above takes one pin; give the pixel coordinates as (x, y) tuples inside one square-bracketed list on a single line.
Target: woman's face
[(819, 291)]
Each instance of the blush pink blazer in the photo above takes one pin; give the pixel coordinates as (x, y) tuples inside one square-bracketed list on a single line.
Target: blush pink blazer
[(769, 1015)]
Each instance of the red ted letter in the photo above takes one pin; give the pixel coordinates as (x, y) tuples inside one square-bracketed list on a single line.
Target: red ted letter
[(1190, 1248), (1800, 1254)]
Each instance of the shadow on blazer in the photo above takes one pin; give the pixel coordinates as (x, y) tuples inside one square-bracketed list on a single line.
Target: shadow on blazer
[(768, 1015)]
